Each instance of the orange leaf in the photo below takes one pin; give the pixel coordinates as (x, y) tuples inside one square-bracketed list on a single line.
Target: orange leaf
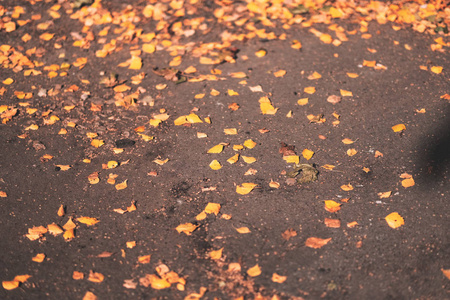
[(347, 187), (144, 259), (332, 206), (278, 278), (446, 273), (10, 285), (254, 271), (351, 152), (314, 242), (279, 73), (394, 220), (384, 195), (408, 182), (309, 90), (121, 88), (95, 277), (288, 234), (46, 36), (88, 220), (332, 223), (122, 185), (398, 127), (345, 93), (243, 230), (187, 228), (212, 208), (307, 154), (39, 258), (216, 254)]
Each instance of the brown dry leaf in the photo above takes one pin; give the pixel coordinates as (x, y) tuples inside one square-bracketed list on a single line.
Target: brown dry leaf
[(38, 258), (332, 223), (278, 278), (187, 228), (384, 194), (314, 242), (88, 220), (145, 259), (254, 271), (332, 206), (333, 99), (216, 254), (288, 234), (243, 230), (95, 277), (77, 275), (394, 220)]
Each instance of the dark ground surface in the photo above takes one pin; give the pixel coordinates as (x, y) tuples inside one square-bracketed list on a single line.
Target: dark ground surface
[(403, 263)]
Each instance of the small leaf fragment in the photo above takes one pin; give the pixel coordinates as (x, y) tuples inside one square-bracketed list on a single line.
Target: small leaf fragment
[(215, 165), (307, 154), (254, 271), (216, 149), (122, 185), (245, 188), (216, 254), (88, 220), (332, 206), (39, 258), (243, 230), (316, 243), (278, 278), (398, 127), (187, 228)]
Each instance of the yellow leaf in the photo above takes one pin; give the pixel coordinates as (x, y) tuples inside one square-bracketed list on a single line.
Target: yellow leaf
[(314, 75), (160, 162), (326, 38), (238, 75), (216, 149), (314, 242), (384, 195), (274, 184), (260, 53), (352, 75), (436, 69), (180, 121), (346, 93), (38, 258), (230, 131), (215, 92), (215, 165), (69, 234), (408, 182), (245, 188), (398, 127), (201, 135), (254, 271), (187, 228), (131, 244), (148, 48), (232, 93), (279, 73), (201, 216), (394, 220), (347, 187), (216, 254), (193, 118), (112, 164), (296, 45), (351, 152), (8, 81), (307, 154), (158, 283), (122, 185), (145, 259), (54, 229), (64, 167), (237, 147), (154, 122), (160, 86), (233, 159), (249, 144), (289, 114), (249, 159), (328, 167), (335, 12), (32, 127), (243, 230), (347, 141), (97, 143), (88, 220), (136, 63), (292, 159), (266, 107), (46, 36), (278, 278), (332, 206), (309, 90), (212, 208), (69, 225), (121, 88), (190, 70), (302, 101), (10, 285)]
